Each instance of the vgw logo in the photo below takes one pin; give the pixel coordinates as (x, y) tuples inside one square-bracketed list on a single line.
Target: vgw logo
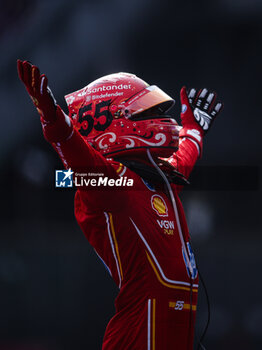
[(64, 178)]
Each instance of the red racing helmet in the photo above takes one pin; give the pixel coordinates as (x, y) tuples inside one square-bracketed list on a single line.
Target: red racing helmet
[(120, 114)]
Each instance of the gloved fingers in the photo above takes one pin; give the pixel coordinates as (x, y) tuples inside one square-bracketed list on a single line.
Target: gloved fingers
[(217, 109), (23, 71), (20, 70), (209, 102), (183, 96), (35, 80), (191, 95), (204, 106), (37, 87), (26, 72), (205, 100), (200, 98), (43, 84), (46, 98)]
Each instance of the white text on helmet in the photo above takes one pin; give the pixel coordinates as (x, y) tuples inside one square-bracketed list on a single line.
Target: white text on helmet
[(110, 87)]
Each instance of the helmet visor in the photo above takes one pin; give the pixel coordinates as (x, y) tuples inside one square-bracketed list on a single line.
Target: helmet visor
[(147, 98)]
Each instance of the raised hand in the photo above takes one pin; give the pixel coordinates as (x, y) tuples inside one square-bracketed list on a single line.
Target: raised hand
[(199, 108), (37, 87)]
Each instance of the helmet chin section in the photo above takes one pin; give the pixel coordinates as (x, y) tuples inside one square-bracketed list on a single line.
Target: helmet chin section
[(139, 153), (125, 136)]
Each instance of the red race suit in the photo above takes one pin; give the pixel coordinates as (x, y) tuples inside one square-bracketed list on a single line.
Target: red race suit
[(135, 231)]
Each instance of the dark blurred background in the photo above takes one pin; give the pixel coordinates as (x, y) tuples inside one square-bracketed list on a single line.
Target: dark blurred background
[(54, 292)]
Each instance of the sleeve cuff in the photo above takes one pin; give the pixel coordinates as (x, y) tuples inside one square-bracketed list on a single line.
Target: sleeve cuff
[(194, 136)]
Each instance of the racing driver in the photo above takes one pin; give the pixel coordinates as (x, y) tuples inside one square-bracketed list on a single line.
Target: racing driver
[(119, 126)]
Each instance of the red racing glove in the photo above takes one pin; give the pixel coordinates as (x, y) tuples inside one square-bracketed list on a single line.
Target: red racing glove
[(199, 110), (55, 123)]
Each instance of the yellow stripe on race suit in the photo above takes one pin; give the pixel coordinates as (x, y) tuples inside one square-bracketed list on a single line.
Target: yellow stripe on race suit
[(151, 324), (179, 305), (169, 285), (115, 244), (120, 168)]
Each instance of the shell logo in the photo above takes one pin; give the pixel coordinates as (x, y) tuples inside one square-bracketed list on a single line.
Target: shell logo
[(159, 205)]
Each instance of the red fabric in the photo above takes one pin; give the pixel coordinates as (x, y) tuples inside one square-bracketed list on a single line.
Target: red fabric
[(187, 117), (191, 128), (58, 130), (185, 158), (195, 136), (36, 86), (135, 232)]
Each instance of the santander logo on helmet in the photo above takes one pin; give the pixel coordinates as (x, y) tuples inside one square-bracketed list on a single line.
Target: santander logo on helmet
[(120, 114)]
